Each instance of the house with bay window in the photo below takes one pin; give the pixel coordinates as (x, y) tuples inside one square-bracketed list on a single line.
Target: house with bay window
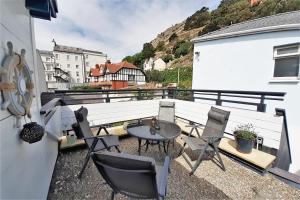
[(257, 55), (117, 76)]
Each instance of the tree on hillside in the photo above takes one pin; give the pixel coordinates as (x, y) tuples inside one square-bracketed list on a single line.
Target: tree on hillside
[(136, 59), (148, 51), (199, 19), (270, 7), (167, 58)]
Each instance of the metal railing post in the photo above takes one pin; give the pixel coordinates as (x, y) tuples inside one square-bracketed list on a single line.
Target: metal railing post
[(139, 95), (174, 93), (107, 100), (163, 94), (192, 96), (261, 107), (219, 101)]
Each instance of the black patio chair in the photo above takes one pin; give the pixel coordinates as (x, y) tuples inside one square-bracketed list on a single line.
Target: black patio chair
[(94, 143), (131, 175), (206, 146), (166, 112)]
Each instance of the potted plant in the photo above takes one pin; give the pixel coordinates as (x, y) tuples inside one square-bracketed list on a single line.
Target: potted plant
[(245, 136)]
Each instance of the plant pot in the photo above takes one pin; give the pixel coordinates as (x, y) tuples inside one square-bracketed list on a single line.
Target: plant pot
[(243, 145)]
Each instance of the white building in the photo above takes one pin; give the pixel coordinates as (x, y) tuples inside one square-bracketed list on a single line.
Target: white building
[(257, 55), (157, 64), (71, 65), (77, 61), (48, 60)]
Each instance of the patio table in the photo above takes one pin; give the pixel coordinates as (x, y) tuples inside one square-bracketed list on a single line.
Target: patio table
[(143, 131)]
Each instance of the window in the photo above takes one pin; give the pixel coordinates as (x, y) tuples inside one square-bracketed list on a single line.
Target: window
[(68, 57), (57, 64), (47, 59), (87, 64), (49, 76), (131, 77), (76, 58), (68, 65), (77, 73), (78, 80), (286, 61), (56, 56), (77, 66), (86, 56), (48, 66)]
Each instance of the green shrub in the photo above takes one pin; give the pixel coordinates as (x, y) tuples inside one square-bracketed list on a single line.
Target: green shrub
[(182, 48), (167, 58), (212, 26)]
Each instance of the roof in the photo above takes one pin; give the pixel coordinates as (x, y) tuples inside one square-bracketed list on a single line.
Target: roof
[(112, 68), (273, 23), (45, 52), (70, 49)]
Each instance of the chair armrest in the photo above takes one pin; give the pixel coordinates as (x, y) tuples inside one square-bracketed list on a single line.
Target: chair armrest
[(211, 139), (102, 138), (163, 179), (195, 125)]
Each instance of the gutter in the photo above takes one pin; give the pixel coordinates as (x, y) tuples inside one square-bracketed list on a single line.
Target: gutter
[(270, 29)]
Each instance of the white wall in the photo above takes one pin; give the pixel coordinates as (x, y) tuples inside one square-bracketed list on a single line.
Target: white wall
[(246, 63), (51, 83), (92, 60), (25, 169), (69, 65), (159, 64)]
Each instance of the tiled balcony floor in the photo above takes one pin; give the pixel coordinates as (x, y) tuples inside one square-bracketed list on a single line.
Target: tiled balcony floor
[(209, 181)]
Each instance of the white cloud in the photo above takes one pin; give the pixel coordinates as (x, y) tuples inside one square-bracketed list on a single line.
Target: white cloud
[(115, 27)]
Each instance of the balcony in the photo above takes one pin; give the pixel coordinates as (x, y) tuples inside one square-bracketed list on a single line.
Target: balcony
[(246, 176)]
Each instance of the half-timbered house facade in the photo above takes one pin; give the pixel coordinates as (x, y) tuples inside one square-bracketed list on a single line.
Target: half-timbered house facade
[(117, 75)]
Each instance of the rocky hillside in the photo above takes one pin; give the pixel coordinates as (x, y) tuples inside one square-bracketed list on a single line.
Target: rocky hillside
[(173, 45)]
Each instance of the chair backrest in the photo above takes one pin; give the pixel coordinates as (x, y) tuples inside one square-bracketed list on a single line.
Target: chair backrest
[(166, 111), (132, 175), (216, 122), (84, 127)]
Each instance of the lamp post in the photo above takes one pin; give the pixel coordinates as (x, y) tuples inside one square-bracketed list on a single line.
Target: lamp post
[(178, 76)]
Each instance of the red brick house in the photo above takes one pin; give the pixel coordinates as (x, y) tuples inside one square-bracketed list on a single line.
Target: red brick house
[(117, 75)]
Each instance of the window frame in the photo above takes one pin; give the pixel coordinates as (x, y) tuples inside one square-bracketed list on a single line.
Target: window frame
[(277, 56)]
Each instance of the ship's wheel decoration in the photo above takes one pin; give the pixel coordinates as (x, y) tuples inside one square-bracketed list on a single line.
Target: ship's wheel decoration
[(16, 84)]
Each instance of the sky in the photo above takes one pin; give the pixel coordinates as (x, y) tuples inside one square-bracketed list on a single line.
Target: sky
[(115, 27)]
